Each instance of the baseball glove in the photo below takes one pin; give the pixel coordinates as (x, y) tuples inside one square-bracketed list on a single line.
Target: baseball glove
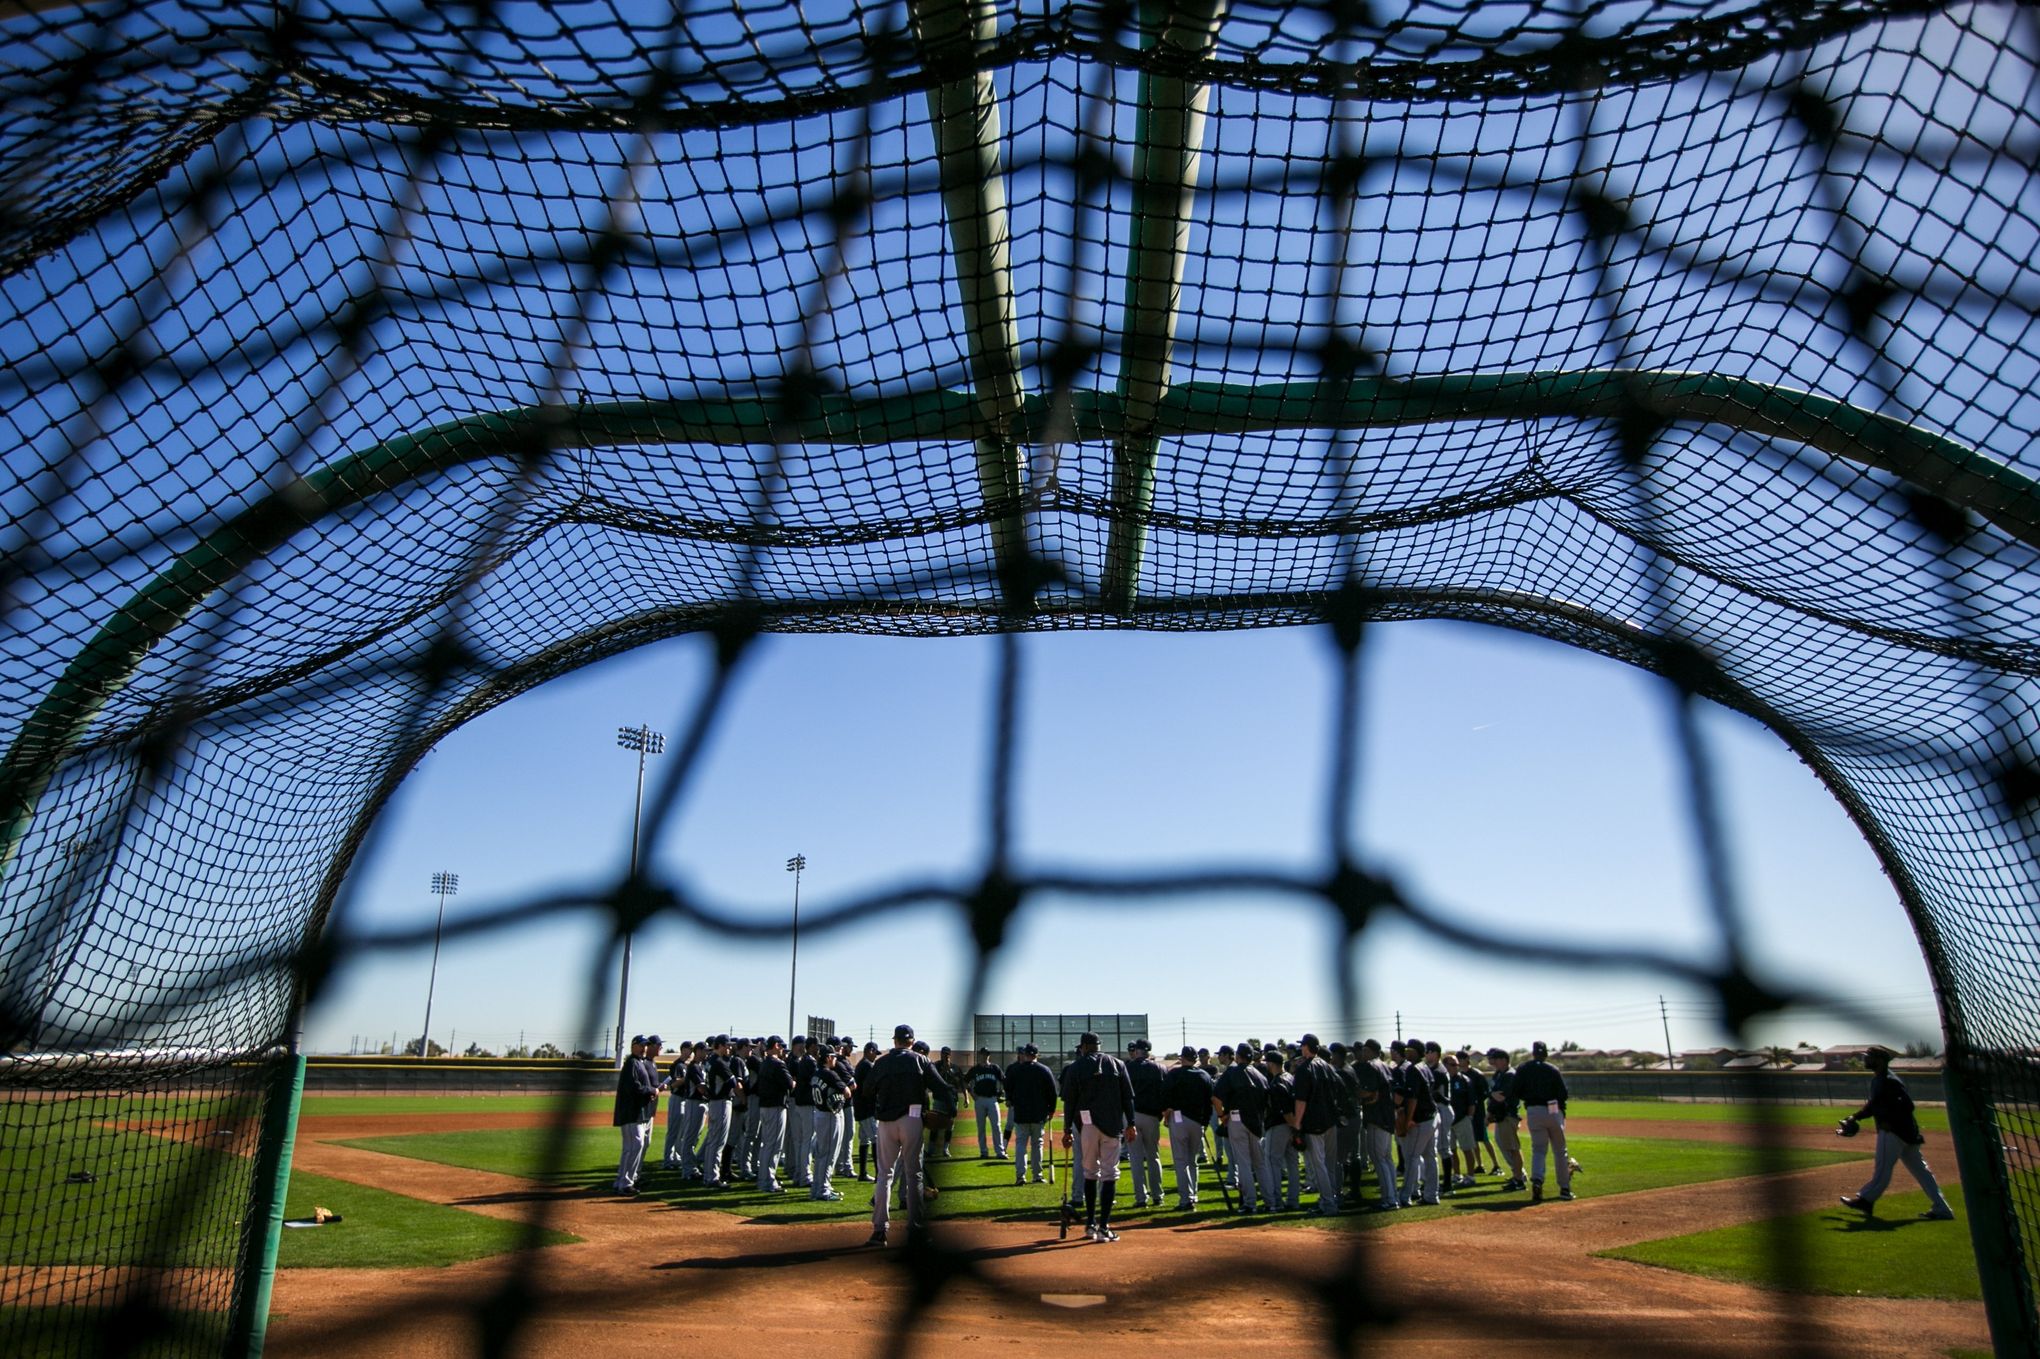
[(1848, 1127)]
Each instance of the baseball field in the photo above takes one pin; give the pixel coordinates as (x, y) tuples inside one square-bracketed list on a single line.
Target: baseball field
[(1697, 1231)]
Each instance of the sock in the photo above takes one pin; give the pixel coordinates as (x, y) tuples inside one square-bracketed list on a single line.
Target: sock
[(1090, 1201), (1105, 1203)]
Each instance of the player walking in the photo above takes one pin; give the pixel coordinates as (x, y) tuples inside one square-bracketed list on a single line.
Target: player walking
[(1240, 1099), (1899, 1138)]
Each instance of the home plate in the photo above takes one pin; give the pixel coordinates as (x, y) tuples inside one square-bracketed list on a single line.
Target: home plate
[(1074, 1299)]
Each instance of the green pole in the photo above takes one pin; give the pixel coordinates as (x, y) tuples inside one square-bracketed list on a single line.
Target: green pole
[(256, 1273), (2008, 1300)]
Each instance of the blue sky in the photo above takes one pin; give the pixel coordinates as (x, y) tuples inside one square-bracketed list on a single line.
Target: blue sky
[(1516, 782)]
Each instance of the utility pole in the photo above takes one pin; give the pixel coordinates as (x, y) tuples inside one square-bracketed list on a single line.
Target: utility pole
[(1398, 1026), (796, 865), (1671, 1058)]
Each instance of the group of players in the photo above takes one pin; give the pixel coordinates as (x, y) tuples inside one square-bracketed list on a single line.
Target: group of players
[(1278, 1119)]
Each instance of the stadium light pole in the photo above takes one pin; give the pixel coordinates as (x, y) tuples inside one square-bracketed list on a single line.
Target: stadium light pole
[(646, 743), (795, 866), (444, 885)]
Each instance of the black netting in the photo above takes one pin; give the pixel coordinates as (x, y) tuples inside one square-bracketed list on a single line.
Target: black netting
[(368, 364)]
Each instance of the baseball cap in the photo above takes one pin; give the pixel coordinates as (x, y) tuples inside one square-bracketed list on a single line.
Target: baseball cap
[(637, 1040), (1309, 1040), (653, 1040), (1188, 1054), (1538, 1048), (903, 1031), (1879, 1050), (1498, 1052), (1336, 1048), (1087, 1039), (775, 1041), (1143, 1044), (921, 1045)]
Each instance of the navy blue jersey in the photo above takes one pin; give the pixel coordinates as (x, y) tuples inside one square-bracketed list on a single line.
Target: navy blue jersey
[(1098, 1084), (802, 1069), (637, 1092), (1147, 1076), (1281, 1100), (1189, 1091), (775, 1082), (1502, 1101), (1539, 1083), (986, 1081), (1243, 1090), (1413, 1089), (1318, 1093), (828, 1089), (901, 1080), (1891, 1107), (1377, 1094), (1030, 1091)]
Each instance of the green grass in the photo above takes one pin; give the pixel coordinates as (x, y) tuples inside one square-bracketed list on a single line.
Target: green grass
[(1787, 1115), (985, 1189), (138, 1179), (382, 1230), (1893, 1255), (158, 1200)]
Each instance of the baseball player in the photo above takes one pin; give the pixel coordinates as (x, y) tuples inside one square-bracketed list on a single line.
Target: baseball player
[(1240, 1101), (775, 1083), (1506, 1112), (722, 1089), (1315, 1116), (950, 1098), (1030, 1098), (1144, 1153), (860, 1106), (744, 1130), (800, 1116), (987, 1086), (1280, 1162), (1478, 1090), (1098, 1104), (1542, 1090), (846, 1062), (1465, 1158), (1187, 1094), (1377, 1122), (828, 1093), (1220, 1146), (682, 1111), (1417, 1128), (637, 1104), (900, 1082), (1899, 1138)]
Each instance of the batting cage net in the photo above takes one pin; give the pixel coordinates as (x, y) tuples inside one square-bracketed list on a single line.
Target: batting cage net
[(369, 363)]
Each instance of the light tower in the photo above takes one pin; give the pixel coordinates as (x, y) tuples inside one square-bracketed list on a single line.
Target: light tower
[(444, 885), (795, 865), (646, 743)]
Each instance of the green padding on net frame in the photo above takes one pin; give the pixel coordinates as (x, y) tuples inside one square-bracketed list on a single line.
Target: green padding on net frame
[(1957, 474)]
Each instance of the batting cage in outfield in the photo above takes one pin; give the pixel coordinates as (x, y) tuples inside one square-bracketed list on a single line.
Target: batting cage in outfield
[(370, 363)]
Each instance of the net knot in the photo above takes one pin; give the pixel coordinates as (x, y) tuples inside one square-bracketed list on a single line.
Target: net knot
[(991, 906), (1744, 998), (1357, 894)]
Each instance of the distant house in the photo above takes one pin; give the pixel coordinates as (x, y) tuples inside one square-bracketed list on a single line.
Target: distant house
[(1904, 1064), (1847, 1057), (1748, 1061), (1706, 1059)]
